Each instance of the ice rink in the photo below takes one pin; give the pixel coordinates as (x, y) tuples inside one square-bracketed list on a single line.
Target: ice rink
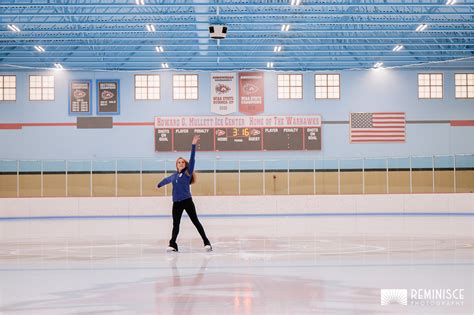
[(302, 264)]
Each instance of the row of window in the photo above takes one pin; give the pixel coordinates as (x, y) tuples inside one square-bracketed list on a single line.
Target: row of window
[(290, 86)]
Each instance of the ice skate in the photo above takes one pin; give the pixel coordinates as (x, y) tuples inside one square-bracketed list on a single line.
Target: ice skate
[(171, 249)]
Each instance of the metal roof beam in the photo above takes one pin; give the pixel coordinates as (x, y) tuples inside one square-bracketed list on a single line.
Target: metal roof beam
[(91, 45), (312, 68), (172, 30), (186, 51), (234, 58), (279, 4), (240, 14), (133, 21), (231, 38), (193, 61)]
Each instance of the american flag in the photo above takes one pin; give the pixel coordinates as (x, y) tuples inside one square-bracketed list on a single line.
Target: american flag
[(377, 127)]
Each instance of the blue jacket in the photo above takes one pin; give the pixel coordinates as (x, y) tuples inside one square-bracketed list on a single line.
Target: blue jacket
[(181, 181)]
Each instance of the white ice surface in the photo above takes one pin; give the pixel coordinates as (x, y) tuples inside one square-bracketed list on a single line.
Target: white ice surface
[(260, 265)]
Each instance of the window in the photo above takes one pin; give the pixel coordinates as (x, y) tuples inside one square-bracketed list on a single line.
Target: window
[(290, 86), (41, 87), (185, 87), (430, 85), (7, 88), (464, 83), (327, 86), (147, 87)]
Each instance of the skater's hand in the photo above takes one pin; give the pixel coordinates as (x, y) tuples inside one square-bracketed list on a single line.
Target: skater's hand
[(196, 139)]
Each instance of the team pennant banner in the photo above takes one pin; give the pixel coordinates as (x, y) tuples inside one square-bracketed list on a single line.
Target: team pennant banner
[(223, 93), (251, 92)]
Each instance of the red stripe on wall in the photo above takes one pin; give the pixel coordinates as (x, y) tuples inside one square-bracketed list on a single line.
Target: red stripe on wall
[(454, 123), (391, 113), (68, 124), (375, 140), (47, 124), (133, 123), (10, 126), (458, 123)]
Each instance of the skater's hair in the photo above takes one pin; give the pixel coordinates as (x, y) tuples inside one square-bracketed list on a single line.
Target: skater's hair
[(186, 169)]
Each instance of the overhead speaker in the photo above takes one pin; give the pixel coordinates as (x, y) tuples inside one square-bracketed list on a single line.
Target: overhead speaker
[(217, 31)]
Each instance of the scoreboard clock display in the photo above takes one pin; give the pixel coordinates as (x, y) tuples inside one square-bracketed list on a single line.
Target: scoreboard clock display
[(177, 137), (238, 139)]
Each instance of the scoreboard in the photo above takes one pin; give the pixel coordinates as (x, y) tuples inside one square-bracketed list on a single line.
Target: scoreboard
[(274, 134)]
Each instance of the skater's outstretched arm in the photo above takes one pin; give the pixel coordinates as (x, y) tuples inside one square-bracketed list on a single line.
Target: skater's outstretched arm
[(165, 181), (193, 153)]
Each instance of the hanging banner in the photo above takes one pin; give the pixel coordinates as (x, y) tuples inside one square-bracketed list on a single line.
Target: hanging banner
[(108, 100), (80, 97), (223, 96), (251, 89)]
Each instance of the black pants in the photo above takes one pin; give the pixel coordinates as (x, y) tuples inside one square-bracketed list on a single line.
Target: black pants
[(178, 208)]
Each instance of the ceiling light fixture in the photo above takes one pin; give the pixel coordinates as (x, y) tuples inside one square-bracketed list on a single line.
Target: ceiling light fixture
[(39, 48), (150, 27), (450, 2), (277, 49), (398, 48), (378, 64), (140, 2), (58, 66), (285, 27), (159, 49), (295, 2), (269, 64), (164, 65), (13, 28), (421, 27)]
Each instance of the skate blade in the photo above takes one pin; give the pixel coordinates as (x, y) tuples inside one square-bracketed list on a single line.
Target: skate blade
[(171, 250)]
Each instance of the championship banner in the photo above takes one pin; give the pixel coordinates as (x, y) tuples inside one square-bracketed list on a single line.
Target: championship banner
[(108, 100), (80, 97), (251, 90), (223, 96)]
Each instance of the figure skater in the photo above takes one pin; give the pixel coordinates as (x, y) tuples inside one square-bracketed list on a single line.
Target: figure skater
[(182, 199)]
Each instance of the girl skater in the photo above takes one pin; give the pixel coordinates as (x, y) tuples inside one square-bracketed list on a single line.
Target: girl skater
[(182, 198)]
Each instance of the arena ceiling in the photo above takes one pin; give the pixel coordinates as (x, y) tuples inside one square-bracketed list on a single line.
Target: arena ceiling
[(286, 35)]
